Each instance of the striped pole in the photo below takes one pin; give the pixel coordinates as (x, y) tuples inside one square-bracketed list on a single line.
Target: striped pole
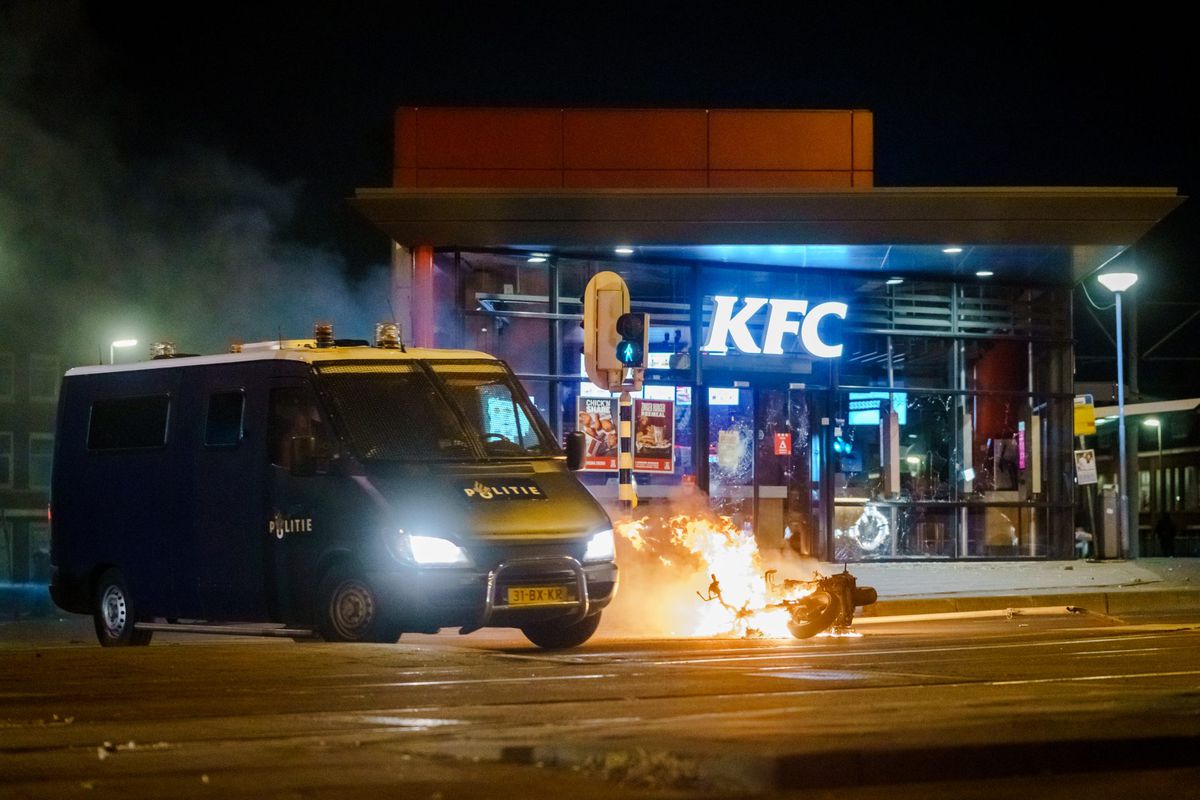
[(625, 458)]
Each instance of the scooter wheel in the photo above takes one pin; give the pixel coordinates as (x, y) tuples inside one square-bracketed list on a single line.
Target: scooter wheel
[(815, 614)]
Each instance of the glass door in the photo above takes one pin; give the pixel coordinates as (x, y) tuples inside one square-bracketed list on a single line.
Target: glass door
[(731, 452), (764, 453), (788, 470)]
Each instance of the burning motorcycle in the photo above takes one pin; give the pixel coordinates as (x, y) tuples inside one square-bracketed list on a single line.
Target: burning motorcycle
[(812, 606)]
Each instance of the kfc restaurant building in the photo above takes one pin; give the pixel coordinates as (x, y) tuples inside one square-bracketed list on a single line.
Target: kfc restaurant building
[(868, 373)]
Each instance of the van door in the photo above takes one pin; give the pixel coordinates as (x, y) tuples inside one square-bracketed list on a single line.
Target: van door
[(308, 512), (231, 499)]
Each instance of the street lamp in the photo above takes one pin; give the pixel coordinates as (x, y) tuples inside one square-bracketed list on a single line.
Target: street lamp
[(1160, 482), (112, 348), (1118, 283)]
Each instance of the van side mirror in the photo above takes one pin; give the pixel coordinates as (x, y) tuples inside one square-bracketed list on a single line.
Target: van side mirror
[(303, 456), (576, 447)]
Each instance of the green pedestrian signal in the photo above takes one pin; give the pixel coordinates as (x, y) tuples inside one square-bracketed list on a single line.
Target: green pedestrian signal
[(634, 330), (629, 353)]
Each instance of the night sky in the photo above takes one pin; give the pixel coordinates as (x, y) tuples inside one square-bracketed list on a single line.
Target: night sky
[(302, 98)]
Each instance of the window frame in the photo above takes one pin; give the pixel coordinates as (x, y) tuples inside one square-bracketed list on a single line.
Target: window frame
[(39, 436), (8, 484), (8, 363), (50, 363)]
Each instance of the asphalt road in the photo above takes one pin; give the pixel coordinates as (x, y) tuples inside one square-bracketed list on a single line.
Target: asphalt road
[(1050, 705)]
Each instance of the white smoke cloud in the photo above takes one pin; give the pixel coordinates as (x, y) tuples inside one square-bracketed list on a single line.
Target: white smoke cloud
[(98, 242)]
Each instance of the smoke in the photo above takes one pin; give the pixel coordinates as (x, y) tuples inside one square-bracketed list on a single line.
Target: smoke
[(99, 242), (668, 561)]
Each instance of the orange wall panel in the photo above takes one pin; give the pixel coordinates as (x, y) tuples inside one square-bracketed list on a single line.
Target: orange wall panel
[(405, 156), (489, 138), (406, 178), (635, 179), (779, 140), (489, 178), (864, 140), (632, 148), (635, 139), (779, 179)]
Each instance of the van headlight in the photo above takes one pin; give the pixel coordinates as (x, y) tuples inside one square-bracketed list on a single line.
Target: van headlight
[(601, 547), (431, 550)]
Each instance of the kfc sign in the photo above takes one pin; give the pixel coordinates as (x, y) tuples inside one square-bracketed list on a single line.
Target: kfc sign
[(785, 316)]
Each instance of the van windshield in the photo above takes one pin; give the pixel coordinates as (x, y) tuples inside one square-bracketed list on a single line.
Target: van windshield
[(394, 412), (495, 409)]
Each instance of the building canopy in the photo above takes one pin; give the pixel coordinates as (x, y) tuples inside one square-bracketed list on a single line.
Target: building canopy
[(1057, 235)]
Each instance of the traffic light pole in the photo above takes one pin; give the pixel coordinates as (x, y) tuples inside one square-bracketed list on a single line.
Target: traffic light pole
[(625, 459), (615, 343)]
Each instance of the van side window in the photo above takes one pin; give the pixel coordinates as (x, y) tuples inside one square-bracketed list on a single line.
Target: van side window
[(224, 424), (127, 422), (294, 412)]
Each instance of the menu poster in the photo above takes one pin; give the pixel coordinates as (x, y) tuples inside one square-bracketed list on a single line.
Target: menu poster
[(653, 436), (597, 418)]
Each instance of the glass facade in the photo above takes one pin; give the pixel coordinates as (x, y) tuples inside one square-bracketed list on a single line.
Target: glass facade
[(942, 429)]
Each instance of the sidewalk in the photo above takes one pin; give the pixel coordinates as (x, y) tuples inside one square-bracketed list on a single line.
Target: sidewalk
[(20, 600), (927, 587), (1105, 587)]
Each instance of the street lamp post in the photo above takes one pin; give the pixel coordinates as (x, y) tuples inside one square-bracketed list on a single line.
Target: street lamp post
[(1118, 283), (112, 348)]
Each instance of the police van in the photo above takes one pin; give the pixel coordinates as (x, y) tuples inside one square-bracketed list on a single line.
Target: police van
[(337, 488)]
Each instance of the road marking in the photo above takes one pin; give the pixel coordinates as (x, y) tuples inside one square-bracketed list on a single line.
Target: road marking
[(817, 675), (844, 653), (1096, 678), (526, 679), (1121, 652)]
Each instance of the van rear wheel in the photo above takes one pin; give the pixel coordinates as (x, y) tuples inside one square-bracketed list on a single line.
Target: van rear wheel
[(351, 609), (115, 614), (554, 635)]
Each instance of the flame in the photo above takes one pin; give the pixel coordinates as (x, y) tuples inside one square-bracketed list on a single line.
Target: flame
[(839, 633), (742, 599)]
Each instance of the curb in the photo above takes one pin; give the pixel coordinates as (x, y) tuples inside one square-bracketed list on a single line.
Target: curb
[(1107, 603)]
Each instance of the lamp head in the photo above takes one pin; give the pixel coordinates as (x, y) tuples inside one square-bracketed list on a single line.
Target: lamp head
[(1151, 423), (1117, 281)]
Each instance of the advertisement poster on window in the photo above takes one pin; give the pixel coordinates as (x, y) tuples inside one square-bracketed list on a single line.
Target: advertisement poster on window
[(1085, 467), (653, 436), (597, 418)]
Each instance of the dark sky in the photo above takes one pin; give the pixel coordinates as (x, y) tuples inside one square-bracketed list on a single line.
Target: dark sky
[(960, 97), (285, 109)]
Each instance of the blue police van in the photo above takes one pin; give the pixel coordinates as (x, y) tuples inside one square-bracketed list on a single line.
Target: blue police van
[(331, 487)]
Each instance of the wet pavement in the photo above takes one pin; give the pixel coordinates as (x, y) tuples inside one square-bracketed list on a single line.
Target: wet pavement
[(917, 704)]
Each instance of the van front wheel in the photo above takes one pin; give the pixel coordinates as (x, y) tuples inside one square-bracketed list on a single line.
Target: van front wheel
[(555, 635), (115, 614), (351, 609)]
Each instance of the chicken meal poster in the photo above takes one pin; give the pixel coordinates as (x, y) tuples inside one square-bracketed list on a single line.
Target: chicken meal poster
[(653, 436), (598, 421)]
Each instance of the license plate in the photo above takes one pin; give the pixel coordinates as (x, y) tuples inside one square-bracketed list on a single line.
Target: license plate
[(538, 595)]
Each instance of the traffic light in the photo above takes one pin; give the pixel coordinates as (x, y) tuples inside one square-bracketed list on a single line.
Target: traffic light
[(634, 330), (605, 300)]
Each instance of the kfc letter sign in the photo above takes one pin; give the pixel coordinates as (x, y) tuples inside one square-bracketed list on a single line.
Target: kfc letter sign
[(784, 316)]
